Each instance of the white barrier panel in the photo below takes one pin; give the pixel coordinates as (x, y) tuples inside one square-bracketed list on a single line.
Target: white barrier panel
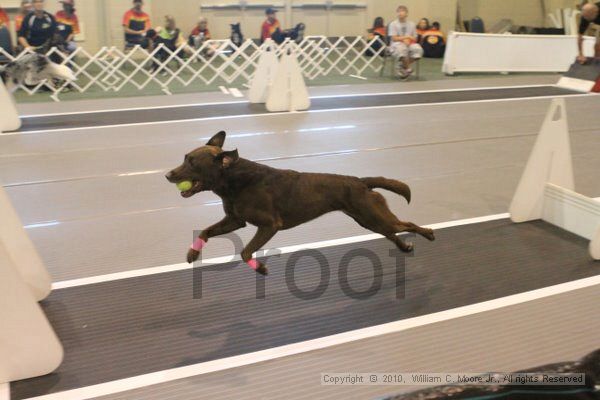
[(575, 213), (289, 92), (23, 254), (265, 74), (479, 52), (9, 117), (546, 190), (28, 345)]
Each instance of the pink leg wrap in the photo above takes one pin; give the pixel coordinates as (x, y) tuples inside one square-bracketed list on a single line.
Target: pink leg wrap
[(198, 244), (253, 264)]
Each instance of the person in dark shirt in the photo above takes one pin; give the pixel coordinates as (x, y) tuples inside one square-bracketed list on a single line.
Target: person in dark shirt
[(136, 23), (38, 29), (590, 14)]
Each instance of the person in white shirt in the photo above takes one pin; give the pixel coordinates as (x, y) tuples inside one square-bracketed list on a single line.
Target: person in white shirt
[(404, 45)]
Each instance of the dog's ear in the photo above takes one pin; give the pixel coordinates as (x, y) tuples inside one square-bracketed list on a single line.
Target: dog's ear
[(218, 140), (227, 158)]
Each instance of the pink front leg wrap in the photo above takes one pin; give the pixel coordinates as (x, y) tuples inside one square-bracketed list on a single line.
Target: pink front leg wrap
[(253, 264), (198, 244)]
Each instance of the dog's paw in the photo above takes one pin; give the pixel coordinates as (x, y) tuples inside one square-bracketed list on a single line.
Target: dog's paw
[(407, 247), (262, 269), (429, 235), (192, 256)]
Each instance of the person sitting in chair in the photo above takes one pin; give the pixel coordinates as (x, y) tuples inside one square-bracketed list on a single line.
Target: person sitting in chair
[(5, 41), (136, 23), (590, 14), (68, 25), (377, 31), (200, 34), (170, 37), (404, 47), (270, 26), (38, 29)]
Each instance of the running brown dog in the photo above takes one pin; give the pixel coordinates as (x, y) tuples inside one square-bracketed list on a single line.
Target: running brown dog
[(274, 199)]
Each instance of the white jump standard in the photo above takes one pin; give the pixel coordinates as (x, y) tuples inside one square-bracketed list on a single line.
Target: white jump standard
[(547, 188)]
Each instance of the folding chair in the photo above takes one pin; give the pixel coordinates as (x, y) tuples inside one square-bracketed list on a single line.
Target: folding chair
[(388, 57)]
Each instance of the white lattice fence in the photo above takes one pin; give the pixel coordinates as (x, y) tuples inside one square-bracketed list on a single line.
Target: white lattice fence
[(112, 69)]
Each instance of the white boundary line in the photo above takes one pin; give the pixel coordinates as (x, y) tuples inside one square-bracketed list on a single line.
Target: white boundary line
[(169, 375), (4, 391), (452, 103), (226, 91), (284, 250), (235, 92)]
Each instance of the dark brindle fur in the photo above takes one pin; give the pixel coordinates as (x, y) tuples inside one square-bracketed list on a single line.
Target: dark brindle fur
[(273, 199)]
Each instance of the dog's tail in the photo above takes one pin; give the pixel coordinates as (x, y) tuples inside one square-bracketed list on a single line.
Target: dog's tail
[(392, 185), (61, 72)]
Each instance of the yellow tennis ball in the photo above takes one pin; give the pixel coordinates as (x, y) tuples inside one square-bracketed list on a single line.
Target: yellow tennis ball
[(184, 186)]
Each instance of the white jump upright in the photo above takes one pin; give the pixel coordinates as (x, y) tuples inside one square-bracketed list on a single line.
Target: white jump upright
[(28, 345), (288, 92), (266, 70), (21, 251), (9, 117), (547, 188)]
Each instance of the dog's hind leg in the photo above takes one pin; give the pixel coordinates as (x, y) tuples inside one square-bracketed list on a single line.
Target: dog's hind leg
[(372, 212), (262, 236)]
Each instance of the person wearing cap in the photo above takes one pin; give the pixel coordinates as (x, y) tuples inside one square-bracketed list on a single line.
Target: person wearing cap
[(135, 24), (26, 8), (68, 25), (270, 26), (38, 29)]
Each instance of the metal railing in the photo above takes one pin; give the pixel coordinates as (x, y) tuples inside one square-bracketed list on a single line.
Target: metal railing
[(216, 61)]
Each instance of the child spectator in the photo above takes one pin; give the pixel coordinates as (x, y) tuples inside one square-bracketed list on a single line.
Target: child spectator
[(135, 24), (422, 27), (68, 25), (434, 42), (377, 31), (270, 26), (170, 37), (404, 46), (199, 35)]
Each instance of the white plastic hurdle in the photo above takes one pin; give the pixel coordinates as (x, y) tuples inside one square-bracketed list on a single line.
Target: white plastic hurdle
[(547, 188), (9, 118), (279, 83), (28, 345)]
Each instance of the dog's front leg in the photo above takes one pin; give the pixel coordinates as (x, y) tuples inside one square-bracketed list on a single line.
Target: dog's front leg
[(262, 236), (223, 227)]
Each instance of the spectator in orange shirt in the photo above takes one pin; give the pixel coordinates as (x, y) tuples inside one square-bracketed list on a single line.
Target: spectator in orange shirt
[(26, 8), (5, 30), (68, 25), (270, 26), (422, 27), (4, 21), (199, 35), (135, 24)]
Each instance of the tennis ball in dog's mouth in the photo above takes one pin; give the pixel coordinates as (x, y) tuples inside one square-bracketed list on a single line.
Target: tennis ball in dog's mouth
[(184, 186)]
